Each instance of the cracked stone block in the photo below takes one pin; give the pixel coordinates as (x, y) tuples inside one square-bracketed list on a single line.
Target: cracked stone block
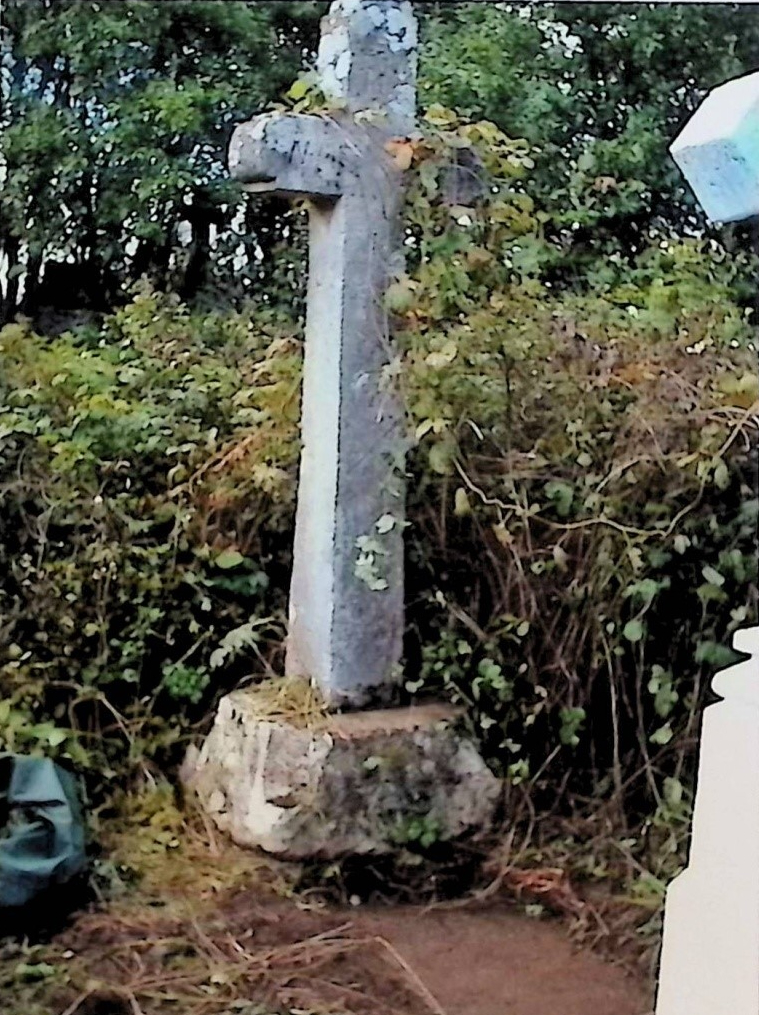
[(362, 783)]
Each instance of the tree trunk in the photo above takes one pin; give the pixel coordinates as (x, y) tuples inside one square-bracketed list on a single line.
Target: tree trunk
[(196, 273), (9, 303), (33, 278)]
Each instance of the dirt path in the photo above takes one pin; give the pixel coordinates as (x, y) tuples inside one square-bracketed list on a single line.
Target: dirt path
[(499, 963), (209, 956)]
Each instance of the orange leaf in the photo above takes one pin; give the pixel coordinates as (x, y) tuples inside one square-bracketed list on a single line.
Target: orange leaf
[(401, 152)]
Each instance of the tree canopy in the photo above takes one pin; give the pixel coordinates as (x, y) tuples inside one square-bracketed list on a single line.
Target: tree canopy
[(118, 114)]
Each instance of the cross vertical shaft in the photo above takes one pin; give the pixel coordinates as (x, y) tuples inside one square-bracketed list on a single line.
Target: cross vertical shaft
[(346, 603)]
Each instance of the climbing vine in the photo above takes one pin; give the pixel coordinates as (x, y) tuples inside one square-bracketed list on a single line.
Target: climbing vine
[(585, 521)]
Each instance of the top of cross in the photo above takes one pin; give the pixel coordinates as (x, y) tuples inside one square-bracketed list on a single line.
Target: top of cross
[(368, 58), (367, 64)]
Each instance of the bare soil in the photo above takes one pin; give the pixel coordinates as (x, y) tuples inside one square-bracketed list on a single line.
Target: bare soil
[(498, 962), (356, 961), (209, 929)]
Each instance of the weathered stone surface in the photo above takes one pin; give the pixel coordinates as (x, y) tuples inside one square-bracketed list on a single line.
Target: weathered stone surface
[(368, 59), (290, 156), (358, 786), (347, 592)]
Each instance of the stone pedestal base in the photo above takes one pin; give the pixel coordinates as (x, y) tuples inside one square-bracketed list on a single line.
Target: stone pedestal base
[(365, 783)]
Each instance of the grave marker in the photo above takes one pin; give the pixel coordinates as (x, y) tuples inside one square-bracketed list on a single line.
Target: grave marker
[(710, 949), (339, 785), (346, 603)]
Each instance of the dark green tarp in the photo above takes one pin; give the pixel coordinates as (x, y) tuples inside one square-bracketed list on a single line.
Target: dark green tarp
[(42, 842)]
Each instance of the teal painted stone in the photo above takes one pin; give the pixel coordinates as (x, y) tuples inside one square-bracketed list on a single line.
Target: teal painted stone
[(42, 839), (718, 151)]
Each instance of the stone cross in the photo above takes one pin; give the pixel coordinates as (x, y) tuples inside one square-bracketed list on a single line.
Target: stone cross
[(710, 948), (346, 601)]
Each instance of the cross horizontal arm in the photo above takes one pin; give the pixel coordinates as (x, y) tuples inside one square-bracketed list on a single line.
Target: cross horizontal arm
[(290, 155)]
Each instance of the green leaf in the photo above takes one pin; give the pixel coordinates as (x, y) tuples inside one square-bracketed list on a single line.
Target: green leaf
[(561, 495), (386, 524), (633, 631), (673, 791), (572, 721), (644, 591), (714, 654), (662, 736), (709, 593), (399, 298), (712, 576), (26, 972), (722, 476), (665, 695), (441, 458), (300, 88), (229, 559), (462, 507)]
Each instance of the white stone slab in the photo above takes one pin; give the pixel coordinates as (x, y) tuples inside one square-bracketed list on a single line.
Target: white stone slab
[(710, 950)]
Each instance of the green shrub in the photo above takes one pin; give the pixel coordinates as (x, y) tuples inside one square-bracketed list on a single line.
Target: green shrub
[(146, 481), (583, 504), (585, 495)]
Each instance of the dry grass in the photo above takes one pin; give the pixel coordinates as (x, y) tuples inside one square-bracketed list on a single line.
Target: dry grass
[(210, 929), (293, 700), (208, 960), (205, 928)]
